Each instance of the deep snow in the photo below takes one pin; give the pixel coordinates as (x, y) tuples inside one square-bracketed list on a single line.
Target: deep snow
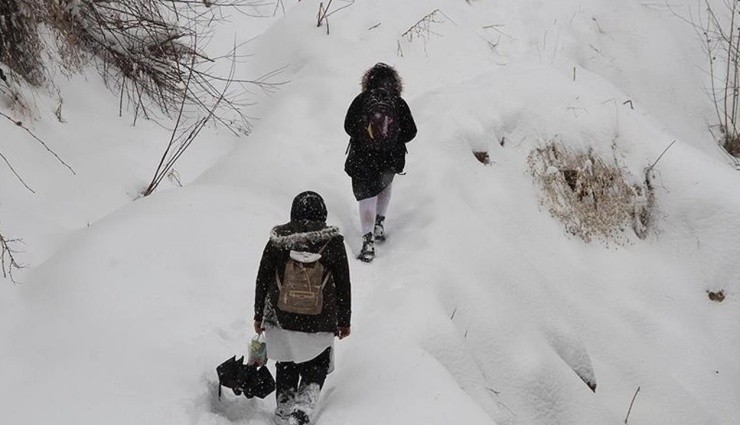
[(477, 309)]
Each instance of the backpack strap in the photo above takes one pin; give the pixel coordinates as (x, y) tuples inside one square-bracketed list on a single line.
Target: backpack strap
[(277, 280), (328, 275), (324, 247), (326, 279)]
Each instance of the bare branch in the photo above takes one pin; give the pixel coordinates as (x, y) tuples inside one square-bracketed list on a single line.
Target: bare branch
[(35, 137), (325, 11), (422, 29), (8, 262), (660, 156), (349, 3), (18, 176), (633, 402), (181, 141), (154, 182)]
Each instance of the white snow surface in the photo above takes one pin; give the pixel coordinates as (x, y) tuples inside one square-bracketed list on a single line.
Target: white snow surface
[(479, 309)]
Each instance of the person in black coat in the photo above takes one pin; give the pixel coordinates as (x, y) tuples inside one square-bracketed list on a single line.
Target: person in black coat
[(302, 344), (372, 170)]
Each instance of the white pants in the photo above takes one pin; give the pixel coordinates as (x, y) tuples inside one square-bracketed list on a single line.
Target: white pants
[(372, 207)]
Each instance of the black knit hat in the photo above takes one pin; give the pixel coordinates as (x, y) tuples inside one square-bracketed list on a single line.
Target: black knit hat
[(308, 206)]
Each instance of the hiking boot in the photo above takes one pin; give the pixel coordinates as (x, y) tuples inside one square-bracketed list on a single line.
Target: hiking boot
[(304, 404), (281, 420), (282, 413), (379, 230), (367, 253), (284, 407), (298, 417)]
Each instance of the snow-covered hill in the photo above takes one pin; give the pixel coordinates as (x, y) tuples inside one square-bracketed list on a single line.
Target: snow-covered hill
[(479, 308)]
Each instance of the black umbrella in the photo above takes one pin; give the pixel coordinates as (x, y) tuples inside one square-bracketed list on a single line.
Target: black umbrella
[(245, 379)]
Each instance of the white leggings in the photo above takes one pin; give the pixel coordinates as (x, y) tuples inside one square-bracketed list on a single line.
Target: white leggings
[(370, 207)]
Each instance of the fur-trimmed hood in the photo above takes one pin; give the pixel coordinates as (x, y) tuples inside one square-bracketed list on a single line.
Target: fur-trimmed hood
[(382, 75), (300, 235)]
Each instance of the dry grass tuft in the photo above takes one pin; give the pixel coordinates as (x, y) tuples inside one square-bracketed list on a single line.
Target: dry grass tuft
[(593, 199)]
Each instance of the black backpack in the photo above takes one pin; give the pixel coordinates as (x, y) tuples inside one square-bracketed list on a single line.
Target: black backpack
[(380, 120)]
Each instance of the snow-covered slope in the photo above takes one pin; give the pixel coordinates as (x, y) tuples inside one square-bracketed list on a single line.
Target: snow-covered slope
[(478, 309)]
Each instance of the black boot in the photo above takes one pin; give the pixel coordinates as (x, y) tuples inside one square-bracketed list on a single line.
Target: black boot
[(367, 254), (379, 230), (298, 418)]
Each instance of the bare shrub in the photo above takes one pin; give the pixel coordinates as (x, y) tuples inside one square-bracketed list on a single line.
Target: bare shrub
[(146, 50), (150, 52), (717, 25), (722, 43), (593, 200), (149, 49)]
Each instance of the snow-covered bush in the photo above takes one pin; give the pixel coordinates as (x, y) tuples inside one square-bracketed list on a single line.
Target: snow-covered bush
[(593, 199)]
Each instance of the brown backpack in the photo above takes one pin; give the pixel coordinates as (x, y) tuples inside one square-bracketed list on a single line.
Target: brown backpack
[(302, 287)]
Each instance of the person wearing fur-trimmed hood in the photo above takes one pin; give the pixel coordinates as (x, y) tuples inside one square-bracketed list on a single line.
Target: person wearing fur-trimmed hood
[(372, 169), (302, 344)]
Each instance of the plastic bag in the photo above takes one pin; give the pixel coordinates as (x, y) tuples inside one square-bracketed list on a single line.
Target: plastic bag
[(257, 351)]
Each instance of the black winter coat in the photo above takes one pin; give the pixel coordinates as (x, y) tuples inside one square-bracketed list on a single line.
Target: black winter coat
[(367, 164), (308, 236)]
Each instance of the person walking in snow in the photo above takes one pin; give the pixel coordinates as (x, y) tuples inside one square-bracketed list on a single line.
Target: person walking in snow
[(379, 124), (302, 301)]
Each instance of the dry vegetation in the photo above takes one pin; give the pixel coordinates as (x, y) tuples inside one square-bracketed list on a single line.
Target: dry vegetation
[(593, 199), (721, 36), (147, 51), (150, 53), (717, 25)]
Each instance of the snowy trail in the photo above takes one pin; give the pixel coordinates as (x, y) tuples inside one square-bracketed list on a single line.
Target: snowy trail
[(479, 309), (521, 297)]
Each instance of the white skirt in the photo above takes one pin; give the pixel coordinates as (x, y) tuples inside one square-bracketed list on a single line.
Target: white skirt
[(297, 347)]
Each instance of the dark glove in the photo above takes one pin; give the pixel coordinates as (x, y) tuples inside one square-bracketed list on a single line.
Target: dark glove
[(343, 331)]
